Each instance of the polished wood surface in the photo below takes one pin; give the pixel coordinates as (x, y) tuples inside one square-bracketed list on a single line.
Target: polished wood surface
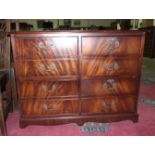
[(94, 46), (77, 76), (108, 105), (108, 86), (48, 107), (109, 66), (80, 120), (48, 89), (45, 47), (47, 68)]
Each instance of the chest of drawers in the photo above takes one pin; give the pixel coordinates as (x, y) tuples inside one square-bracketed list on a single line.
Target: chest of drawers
[(77, 76)]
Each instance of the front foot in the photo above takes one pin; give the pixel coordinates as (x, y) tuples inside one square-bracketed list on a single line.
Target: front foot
[(80, 124)]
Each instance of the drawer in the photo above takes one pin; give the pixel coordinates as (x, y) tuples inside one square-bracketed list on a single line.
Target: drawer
[(109, 86), (109, 66), (45, 47), (47, 89), (47, 68), (109, 105), (47, 107), (94, 46)]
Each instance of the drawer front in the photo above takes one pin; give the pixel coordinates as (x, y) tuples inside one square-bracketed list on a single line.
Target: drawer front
[(47, 89), (47, 68), (49, 107), (109, 66), (109, 105), (45, 47), (94, 46), (108, 86)]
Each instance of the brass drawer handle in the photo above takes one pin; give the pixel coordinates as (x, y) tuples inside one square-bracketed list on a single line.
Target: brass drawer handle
[(42, 67), (111, 44), (110, 84), (53, 88), (105, 105), (107, 44), (111, 67), (116, 44), (108, 106), (52, 45), (113, 103), (51, 67), (41, 45), (46, 107), (44, 89)]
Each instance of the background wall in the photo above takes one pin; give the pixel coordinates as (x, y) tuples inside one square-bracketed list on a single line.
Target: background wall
[(83, 22)]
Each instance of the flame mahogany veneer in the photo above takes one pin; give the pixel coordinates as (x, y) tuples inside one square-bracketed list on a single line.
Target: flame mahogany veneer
[(77, 76)]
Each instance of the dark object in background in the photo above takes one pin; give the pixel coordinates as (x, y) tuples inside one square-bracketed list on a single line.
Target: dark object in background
[(25, 27), (104, 28), (125, 24), (45, 25), (114, 25), (13, 26), (40, 23), (67, 23), (93, 27), (149, 48), (100, 28), (5, 100), (77, 22)]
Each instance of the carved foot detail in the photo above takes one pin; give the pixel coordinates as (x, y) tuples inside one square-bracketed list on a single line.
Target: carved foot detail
[(80, 124), (135, 119)]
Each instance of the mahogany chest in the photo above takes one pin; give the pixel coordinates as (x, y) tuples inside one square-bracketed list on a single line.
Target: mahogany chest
[(77, 76)]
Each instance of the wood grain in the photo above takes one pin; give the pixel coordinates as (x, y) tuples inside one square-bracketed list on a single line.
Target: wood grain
[(109, 66), (48, 107), (109, 105), (105, 87), (47, 89), (45, 68), (95, 46), (45, 47)]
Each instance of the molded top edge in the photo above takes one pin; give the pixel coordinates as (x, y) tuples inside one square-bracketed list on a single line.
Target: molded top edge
[(135, 32)]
